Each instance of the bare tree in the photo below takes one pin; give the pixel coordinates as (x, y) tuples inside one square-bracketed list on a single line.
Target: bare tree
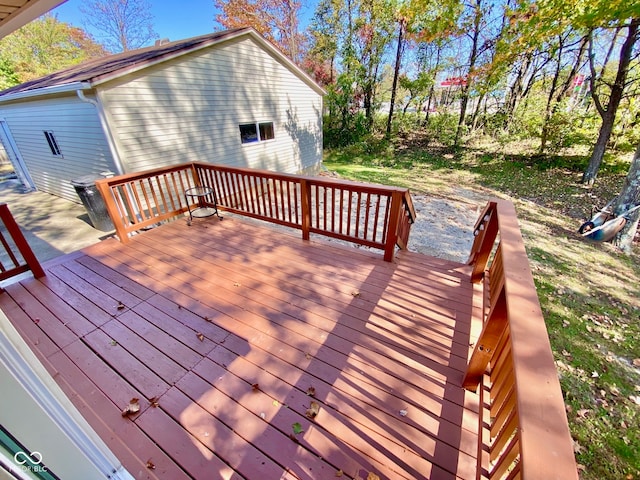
[(123, 24)]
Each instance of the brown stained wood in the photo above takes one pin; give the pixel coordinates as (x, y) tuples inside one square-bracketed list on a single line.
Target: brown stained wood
[(186, 449), (105, 418), (52, 326), (130, 368), (29, 329), (485, 348), (21, 243), (307, 330), (543, 423), (372, 338), (274, 442)]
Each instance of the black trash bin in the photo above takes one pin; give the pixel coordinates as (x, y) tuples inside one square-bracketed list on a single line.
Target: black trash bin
[(92, 200)]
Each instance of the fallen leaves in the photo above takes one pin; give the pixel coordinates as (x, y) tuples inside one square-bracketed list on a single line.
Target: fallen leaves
[(132, 408), (200, 336), (121, 306), (150, 465), (311, 391), (313, 410), (297, 428), (154, 401), (403, 413), (339, 473), (255, 387), (372, 476)]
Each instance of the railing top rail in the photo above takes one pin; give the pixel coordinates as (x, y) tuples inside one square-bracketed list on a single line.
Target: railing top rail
[(336, 182), (132, 177), (542, 417)]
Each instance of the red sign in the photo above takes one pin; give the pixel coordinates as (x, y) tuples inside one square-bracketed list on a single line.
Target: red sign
[(454, 82)]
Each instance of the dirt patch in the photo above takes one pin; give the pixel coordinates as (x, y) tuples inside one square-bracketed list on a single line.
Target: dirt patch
[(443, 227)]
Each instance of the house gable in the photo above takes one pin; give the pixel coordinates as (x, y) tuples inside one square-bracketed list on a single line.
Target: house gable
[(190, 109)]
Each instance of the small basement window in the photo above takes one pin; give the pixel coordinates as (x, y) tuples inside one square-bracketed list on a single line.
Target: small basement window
[(256, 132), (53, 144)]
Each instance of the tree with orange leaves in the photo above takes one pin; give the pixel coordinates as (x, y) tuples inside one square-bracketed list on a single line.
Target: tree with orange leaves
[(276, 20)]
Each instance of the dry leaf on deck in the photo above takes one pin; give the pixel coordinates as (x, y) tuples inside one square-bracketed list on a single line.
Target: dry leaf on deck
[(403, 413), (311, 391), (355, 294), (313, 410), (200, 336), (339, 473), (308, 356), (372, 476), (132, 408), (150, 465), (120, 306), (255, 387), (154, 401)]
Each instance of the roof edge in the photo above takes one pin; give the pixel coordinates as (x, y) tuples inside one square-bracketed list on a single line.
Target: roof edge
[(38, 92), (247, 31)]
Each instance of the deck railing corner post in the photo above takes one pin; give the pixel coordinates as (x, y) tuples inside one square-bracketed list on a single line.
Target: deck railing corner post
[(21, 243), (394, 224), (305, 206)]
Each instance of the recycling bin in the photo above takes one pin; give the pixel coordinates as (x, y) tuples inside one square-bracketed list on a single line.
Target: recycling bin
[(92, 200)]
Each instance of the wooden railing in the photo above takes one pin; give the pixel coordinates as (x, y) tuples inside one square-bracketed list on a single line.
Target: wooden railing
[(372, 215), (17, 253), (523, 425)]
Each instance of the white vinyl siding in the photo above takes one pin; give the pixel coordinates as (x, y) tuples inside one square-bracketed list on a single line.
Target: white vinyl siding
[(78, 135), (189, 110)]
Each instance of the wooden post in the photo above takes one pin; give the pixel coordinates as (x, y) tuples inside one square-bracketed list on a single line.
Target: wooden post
[(486, 345), (305, 204), (487, 241), (392, 229), (21, 242), (118, 222)]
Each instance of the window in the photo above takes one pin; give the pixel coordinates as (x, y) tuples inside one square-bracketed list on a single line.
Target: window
[(53, 145), (256, 132)]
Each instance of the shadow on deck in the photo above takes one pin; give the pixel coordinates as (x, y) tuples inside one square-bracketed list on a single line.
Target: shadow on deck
[(227, 331)]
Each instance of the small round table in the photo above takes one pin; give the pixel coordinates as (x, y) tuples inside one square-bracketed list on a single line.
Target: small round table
[(206, 205)]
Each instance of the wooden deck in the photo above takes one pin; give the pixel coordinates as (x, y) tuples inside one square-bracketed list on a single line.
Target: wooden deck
[(227, 331)]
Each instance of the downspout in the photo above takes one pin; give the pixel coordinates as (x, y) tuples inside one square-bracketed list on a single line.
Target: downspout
[(105, 128)]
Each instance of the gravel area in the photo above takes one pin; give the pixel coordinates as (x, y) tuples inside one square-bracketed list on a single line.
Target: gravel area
[(443, 227)]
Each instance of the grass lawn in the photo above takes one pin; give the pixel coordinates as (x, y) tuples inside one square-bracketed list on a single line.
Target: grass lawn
[(590, 293)]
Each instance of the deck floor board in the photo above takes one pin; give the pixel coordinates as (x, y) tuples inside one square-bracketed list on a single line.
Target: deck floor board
[(222, 328)]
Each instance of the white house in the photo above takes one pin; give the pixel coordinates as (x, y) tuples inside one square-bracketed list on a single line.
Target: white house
[(228, 97)]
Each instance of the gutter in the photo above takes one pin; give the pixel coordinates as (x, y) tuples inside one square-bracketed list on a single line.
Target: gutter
[(105, 126), (37, 92)]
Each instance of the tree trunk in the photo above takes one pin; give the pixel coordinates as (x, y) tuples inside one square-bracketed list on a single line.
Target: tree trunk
[(396, 73), (629, 197), (609, 114), (473, 56)]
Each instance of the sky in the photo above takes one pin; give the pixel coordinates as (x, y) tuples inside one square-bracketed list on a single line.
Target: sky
[(175, 20)]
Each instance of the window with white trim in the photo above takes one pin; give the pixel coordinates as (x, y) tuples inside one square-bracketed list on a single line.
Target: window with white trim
[(53, 144), (256, 132)]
